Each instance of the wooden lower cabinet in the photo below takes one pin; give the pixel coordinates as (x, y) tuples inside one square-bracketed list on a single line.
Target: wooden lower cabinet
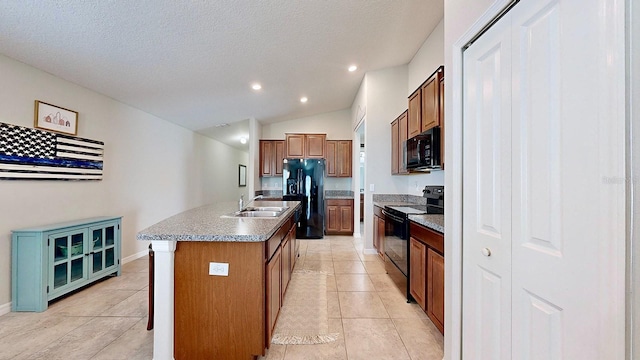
[(274, 292), (435, 288), (230, 317), (417, 276), (378, 230), (339, 217), (426, 272), (286, 265)]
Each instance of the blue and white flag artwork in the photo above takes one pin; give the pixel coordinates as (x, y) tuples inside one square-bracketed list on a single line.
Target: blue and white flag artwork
[(34, 154)]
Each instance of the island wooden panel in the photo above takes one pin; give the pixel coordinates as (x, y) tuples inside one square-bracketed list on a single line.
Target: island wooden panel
[(219, 317)]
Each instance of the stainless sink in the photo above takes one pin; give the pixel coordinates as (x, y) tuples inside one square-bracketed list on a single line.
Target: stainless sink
[(258, 212), (267, 208)]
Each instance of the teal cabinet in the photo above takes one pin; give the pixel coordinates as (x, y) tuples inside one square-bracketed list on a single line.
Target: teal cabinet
[(50, 261)]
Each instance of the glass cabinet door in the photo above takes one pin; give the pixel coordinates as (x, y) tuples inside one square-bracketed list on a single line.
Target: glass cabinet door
[(103, 248), (68, 253)]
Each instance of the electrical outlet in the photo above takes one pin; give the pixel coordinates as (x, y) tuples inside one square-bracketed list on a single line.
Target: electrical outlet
[(218, 269), (372, 187)]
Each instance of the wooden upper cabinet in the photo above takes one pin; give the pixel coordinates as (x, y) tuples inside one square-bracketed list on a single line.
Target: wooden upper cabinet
[(338, 156), (295, 145), (306, 146), (315, 146), (403, 132), (332, 151), (266, 155), (415, 114), (271, 156), (344, 158), (395, 147), (398, 137), (278, 146), (430, 107)]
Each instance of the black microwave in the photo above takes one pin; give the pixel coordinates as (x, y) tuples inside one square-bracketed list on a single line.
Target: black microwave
[(422, 152)]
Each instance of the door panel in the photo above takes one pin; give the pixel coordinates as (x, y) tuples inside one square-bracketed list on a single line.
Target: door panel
[(550, 225), (486, 187)]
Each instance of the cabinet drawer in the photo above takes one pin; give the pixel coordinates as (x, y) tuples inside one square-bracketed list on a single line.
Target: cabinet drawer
[(377, 211), (339, 202), (432, 238), (275, 240)]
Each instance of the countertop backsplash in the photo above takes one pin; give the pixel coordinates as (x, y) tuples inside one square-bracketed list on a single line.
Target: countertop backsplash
[(413, 199)]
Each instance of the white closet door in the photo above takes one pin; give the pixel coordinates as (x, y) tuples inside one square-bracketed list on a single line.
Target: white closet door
[(540, 138), (487, 196), (559, 298)]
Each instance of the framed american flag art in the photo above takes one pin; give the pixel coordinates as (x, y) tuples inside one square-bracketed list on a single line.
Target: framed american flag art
[(33, 154)]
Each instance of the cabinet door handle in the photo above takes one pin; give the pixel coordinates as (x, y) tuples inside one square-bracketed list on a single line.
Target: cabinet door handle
[(486, 252)]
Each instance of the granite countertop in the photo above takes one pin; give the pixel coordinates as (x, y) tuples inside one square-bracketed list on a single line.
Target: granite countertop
[(338, 194), (432, 221), (206, 224)]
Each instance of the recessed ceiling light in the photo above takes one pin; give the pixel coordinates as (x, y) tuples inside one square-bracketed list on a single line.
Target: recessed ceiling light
[(243, 140), (221, 125), (353, 68), (303, 99), (256, 86)]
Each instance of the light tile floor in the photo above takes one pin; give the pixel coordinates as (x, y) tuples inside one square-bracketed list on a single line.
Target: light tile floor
[(108, 320)]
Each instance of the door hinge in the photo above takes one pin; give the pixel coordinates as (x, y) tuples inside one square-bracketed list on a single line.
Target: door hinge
[(48, 242), (118, 226), (118, 261), (47, 289)]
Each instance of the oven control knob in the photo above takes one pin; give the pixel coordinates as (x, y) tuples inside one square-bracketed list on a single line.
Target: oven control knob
[(486, 252)]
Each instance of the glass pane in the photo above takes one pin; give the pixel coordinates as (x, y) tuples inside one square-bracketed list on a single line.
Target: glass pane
[(110, 236), (60, 248), (97, 239), (77, 241), (60, 275), (76, 269), (109, 257), (97, 262)]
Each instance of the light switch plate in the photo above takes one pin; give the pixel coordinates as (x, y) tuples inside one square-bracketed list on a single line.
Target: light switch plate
[(218, 269), (372, 187)]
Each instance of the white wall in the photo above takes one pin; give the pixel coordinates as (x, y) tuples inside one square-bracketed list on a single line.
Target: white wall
[(385, 99), (152, 168), (429, 57)]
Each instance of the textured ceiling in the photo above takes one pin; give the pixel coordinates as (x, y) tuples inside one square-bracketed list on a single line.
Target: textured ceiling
[(192, 62)]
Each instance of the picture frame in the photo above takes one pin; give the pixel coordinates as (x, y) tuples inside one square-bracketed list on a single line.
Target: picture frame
[(55, 118), (242, 175)]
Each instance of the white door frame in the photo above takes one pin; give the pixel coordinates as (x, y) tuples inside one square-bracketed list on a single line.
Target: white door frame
[(453, 176)]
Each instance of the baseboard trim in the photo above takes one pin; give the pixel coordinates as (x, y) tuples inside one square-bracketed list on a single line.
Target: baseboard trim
[(135, 256), (357, 235), (370, 252), (5, 308)]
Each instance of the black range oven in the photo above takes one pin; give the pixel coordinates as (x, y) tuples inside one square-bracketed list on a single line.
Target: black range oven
[(396, 239)]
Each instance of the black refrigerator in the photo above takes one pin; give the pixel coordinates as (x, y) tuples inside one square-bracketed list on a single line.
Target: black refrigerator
[(303, 180)]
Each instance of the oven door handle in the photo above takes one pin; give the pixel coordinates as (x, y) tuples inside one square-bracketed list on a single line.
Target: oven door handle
[(393, 217)]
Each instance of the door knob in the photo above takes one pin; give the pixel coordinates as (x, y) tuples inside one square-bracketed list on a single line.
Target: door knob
[(486, 252)]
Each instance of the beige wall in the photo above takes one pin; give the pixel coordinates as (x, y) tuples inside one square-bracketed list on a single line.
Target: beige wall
[(152, 168)]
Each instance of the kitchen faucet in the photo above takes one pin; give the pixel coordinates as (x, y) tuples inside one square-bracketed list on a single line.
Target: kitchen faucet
[(242, 205)]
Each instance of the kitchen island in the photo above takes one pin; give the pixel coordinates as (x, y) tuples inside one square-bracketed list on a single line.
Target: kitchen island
[(220, 280)]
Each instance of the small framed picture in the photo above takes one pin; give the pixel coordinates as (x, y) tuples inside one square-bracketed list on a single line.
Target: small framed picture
[(242, 176), (54, 118)]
